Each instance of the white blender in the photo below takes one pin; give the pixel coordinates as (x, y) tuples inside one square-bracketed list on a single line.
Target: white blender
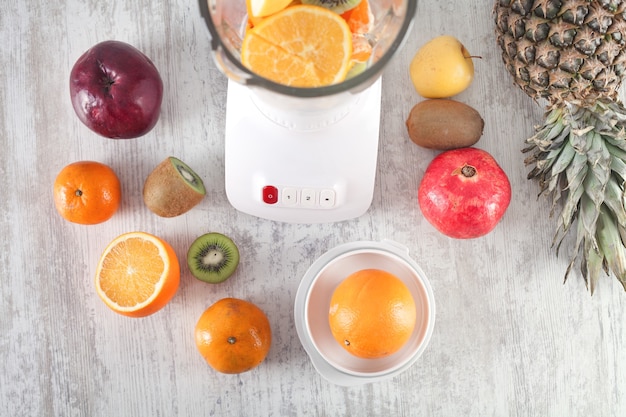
[(302, 155)]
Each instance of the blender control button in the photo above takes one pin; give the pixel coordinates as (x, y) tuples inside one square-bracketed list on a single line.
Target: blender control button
[(289, 196), (270, 194), (327, 198), (307, 197)]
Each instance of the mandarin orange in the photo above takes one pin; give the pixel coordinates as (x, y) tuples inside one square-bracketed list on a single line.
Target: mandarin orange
[(360, 22), (359, 18), (233, 335), (87, 192)]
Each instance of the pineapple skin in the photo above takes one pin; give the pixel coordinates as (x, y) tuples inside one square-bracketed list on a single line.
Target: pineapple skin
[(563, 50), (572, 54)]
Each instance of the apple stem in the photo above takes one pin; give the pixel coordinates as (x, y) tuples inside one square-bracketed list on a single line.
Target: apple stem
[(107, 82)]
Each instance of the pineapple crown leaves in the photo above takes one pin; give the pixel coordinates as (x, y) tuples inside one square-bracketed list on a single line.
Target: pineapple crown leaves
[(573, 55), (579, 153)]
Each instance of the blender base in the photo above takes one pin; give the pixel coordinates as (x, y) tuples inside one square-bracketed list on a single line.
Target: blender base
[(301, 176)]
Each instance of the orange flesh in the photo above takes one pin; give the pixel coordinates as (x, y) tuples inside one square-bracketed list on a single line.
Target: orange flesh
[(129, 279)]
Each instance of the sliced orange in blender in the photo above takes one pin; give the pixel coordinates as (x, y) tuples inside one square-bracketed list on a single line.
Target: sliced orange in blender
[(262, 8), (259, 9), (301, 46), (359, 18), (361, 48)]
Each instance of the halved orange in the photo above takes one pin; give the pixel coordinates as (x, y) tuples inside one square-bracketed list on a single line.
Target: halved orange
[(301, 46), (138, 274)]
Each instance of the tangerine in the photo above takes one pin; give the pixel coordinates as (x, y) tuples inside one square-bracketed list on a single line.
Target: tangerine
[(360, 21), (87, 192), (372, 313), (138, 274), (359, 18), (233, 335)]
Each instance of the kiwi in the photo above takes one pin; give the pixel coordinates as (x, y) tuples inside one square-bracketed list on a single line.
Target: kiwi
[(213, 258), (172, 188), (337, 6), (444, 124)]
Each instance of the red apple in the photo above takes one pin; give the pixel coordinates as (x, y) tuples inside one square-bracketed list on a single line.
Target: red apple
[(464, 193), (116, 90)]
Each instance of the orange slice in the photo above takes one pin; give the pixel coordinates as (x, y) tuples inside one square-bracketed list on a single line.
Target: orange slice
[(261, 8), (138, 274), (301, 46), (361, 48), (359, 18)]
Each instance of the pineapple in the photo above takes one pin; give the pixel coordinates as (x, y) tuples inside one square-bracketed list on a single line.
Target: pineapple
[(571, 54)]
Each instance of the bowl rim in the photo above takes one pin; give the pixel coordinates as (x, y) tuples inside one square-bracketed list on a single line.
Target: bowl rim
[(330, 369)]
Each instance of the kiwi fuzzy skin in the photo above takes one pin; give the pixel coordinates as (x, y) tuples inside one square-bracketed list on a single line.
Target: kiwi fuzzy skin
[(167, 194), (444, 124)]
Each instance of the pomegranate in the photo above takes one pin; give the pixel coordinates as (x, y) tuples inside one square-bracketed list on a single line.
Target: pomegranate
[(464, 193)]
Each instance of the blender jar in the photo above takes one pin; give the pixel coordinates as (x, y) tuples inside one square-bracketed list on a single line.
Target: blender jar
[(226, 21)]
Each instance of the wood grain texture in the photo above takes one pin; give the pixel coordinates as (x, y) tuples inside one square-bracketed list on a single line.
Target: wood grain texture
[(510, 339)]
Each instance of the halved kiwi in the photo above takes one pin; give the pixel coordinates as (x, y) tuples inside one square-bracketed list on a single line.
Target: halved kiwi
[(213, 257), (172, 188), (337, 6)]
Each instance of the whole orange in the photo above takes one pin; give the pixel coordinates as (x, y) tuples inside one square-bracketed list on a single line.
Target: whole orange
[(233, 335), (372, 313), (87, 192)]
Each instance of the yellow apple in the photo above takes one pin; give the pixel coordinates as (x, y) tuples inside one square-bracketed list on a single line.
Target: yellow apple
[(442, 68)]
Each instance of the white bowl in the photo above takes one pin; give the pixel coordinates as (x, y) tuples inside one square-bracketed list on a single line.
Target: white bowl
[(312, 303)]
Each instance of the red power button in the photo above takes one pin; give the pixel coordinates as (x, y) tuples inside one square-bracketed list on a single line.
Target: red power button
[(270, 194)]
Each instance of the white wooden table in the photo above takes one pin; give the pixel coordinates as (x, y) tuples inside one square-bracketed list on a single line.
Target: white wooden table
[(510, 339)]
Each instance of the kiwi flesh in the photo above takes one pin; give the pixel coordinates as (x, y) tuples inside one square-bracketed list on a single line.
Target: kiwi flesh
[(337, 6), (213, 257), (172, 188)]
